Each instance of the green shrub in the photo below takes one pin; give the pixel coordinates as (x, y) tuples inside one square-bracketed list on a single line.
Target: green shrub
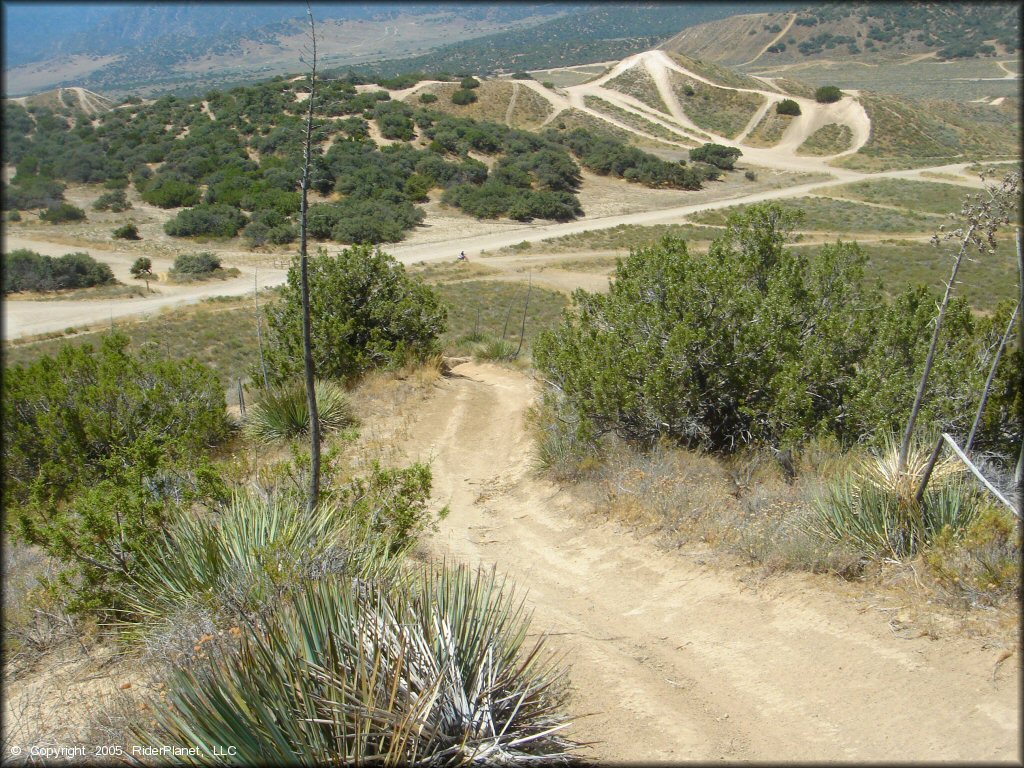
[(99, 448), (14, 216), (717, 155), (828, 94), (757, 343), (269, 226), (432, 669), (787, 107), (128, 231), (26, 270), (28, 192), (366, 313), (428, 98), (284, 412), (115, 200), (463, 97), (714, 351), (469, 83), (979, 564), (141, 267), (60, 213), (203, 263), (169, 192), (212, 220)]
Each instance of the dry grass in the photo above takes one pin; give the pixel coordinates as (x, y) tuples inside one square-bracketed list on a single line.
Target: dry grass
[(99, 292), (492, 102), (842, 217), (768, 132), (908, 134), (633, 120), (740, 507), (638, 83), (924, 196), (575, 118), (723, 111), (828, 140)]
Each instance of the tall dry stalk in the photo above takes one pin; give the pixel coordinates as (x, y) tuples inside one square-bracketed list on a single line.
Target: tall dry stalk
[(982, 216), (307, 343)]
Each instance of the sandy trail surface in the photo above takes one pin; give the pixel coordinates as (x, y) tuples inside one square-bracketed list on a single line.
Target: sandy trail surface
[(676, 660)]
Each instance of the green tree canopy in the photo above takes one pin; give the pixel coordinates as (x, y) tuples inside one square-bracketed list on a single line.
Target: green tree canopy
[(98, 446), (366, 313)]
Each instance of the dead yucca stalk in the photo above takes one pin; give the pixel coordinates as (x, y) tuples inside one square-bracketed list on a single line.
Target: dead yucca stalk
[(884, 472)]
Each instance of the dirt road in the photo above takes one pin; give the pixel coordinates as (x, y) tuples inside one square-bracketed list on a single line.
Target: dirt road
[(678, 661), (27, 318)]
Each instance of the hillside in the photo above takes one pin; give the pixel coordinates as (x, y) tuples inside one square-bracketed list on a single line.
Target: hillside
[(67, 101), (946, 31), (170, 46), (185, 49)]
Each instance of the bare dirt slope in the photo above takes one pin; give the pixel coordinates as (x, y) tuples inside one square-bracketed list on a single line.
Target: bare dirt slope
[(678, 661)]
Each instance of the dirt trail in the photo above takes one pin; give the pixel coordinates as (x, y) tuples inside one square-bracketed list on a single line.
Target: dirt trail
[(682, 662), (773, 41)]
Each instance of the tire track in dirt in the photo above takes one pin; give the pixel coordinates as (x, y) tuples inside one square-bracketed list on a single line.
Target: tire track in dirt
[(681, 662)]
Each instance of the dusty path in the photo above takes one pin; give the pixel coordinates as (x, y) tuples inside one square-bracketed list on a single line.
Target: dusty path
[(682, 662)]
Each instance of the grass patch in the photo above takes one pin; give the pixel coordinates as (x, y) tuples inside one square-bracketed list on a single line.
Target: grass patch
[(530, 110), (115, 291), (768, 132), (723, 111), (927, 79), (984, 281), (575, 118), (448, 271), (639, 84), (222, 337), (182, 278), (927, 196), (482, 309), (633, 120), (493, 98), (830, 139), (595, 264), (624, 237), (907, 134), (822, 214), (563, 78), (717, 73)]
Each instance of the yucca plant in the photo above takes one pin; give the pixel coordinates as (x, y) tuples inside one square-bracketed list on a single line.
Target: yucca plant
[(284, 412), (496, 349), (431, 670), (241, 559), (875, 507)]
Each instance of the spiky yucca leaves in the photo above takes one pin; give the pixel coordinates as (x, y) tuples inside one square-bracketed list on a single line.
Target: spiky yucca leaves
[(429, 670), (284, 412), (875, 506), (240, 560)]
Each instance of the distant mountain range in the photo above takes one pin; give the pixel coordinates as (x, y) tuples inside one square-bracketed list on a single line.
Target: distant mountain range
[(183, 48)]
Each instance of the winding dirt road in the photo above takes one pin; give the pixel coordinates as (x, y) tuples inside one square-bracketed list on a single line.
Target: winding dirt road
[(678, 661)]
